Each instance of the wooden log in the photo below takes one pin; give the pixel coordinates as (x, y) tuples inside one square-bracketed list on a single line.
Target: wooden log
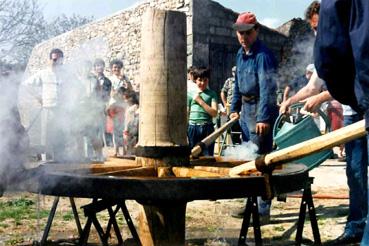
[(135, 172), (224, 171), (164, 222), (89, 168), (163, 118), (184, 172), (196, 151), (163, 93), (294, 152), (217, 161)]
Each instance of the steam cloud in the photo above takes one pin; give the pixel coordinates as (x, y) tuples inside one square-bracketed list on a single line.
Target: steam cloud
[(245, 151), (74, 114), (13, 143)]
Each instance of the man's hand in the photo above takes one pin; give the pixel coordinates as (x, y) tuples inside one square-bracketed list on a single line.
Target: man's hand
[(262, 129), (285, 105), (234, 115), (312, 104)]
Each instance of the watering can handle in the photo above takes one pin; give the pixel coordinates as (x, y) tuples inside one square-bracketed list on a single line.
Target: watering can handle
[(300, 106)]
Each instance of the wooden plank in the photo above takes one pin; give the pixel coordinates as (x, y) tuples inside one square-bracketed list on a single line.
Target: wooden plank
[(224, 171), (138, 172), (184, 172), (218, 161)]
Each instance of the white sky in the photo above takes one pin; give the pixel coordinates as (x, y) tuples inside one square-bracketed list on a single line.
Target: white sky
[(269, 12)]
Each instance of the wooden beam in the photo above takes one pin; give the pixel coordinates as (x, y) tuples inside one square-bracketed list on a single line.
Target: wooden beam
[(184, 172), (297, 151)]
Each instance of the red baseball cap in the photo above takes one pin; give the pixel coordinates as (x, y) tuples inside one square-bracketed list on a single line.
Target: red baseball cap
[(245, 21)]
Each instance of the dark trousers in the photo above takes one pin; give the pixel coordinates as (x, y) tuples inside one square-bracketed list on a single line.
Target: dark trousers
[(248, 125), (264, 143), (357, 175), (196, 133)]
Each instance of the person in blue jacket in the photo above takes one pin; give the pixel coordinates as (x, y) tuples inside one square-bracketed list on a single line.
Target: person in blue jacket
[(341, 55), (255, 88)]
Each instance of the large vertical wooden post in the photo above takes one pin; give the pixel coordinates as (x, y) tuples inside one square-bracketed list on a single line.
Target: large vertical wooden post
[(163, 119)]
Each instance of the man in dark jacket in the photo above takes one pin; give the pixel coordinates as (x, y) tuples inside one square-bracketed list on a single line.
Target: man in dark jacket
[(342, 57), (254, 91)]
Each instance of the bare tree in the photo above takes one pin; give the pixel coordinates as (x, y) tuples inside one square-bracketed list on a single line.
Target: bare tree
[(21, 22), (63, 23), (22, 26)]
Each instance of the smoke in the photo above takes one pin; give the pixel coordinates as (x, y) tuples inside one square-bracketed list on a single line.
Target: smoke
[(300, 55), (13, 141), (245, 151), (77, 113), (271, 22)]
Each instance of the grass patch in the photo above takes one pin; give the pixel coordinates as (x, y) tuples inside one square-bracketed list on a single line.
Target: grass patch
[(14, 241), (211, 229), (18, 209), (3, 225), (278, 228), (321, 221), (68, 216)]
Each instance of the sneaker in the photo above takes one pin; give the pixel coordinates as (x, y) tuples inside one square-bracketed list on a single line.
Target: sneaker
[(346, 239), (238, 214)]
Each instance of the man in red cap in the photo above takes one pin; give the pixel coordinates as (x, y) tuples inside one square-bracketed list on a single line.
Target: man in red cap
[(255, 88)]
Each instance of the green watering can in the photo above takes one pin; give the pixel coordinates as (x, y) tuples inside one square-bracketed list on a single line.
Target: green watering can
[(295, 128)]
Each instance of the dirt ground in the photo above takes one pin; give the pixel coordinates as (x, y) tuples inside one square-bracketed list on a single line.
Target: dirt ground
[(207, 222)]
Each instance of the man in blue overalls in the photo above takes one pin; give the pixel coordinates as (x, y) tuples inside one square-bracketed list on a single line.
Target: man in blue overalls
[(255, 88), (342, 59)]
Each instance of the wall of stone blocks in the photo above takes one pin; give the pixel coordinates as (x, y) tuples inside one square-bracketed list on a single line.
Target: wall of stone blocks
[(115, 36), (211, 41)]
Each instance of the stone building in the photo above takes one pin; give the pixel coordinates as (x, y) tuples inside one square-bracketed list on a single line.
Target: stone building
[(211, 40), (297, 49)]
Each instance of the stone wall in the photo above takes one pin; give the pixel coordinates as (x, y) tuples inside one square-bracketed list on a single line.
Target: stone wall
[(211, 41), (115, 36), (297, 50)]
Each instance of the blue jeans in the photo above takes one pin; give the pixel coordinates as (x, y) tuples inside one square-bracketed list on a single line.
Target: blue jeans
[(264, 143), (196, 133), (365, 240), (357, 176), (248, 126)]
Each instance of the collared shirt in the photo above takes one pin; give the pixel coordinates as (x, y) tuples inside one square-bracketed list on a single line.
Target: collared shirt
[(50, 84), (255, 77), (228, 88)]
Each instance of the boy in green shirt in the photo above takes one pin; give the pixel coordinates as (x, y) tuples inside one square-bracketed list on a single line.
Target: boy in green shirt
[(202, 108)]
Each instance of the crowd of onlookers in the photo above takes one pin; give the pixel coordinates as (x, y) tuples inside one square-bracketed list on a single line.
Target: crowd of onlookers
[(85, 109)]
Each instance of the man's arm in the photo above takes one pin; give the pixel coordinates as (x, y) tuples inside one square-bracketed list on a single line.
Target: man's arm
[(313, 87), (236, 100), (313, 103), (266, 72), (267, 92), (224, 98), (286, 92)]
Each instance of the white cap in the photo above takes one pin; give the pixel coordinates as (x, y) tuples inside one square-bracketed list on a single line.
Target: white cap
[(310, 68)]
